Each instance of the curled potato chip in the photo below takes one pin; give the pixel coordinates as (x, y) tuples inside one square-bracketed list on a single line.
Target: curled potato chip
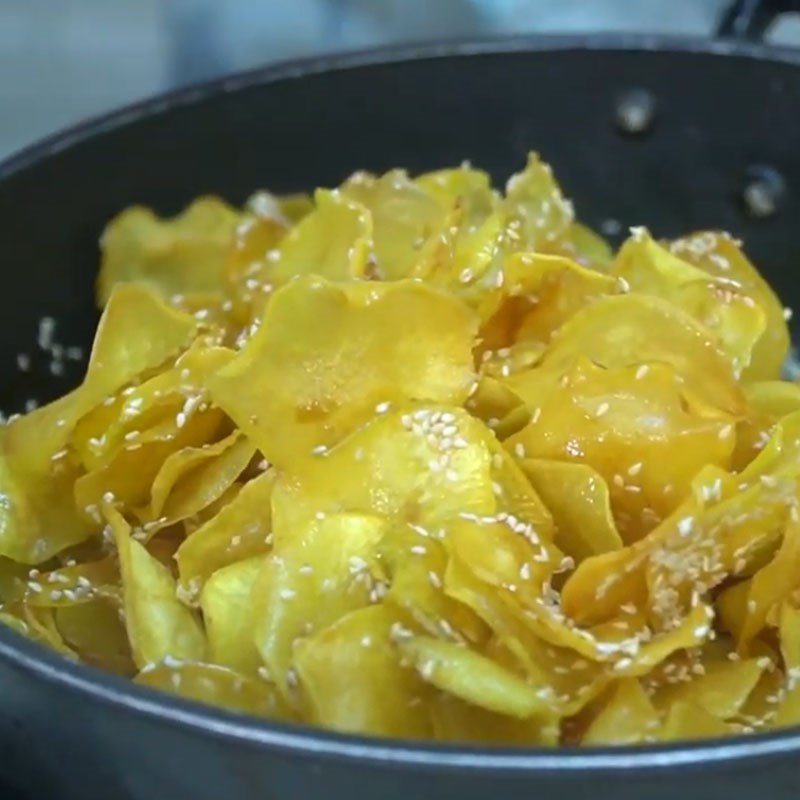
[(711, 536), (314, 577), (771, 585), (158, 624), (580, 243), (333, 241), (633, 426), (353, 679), (194, 477), (474, 678), (634, 329), (39, 624), (38, 517), (75, 585), (423, 464), (174, 256), (686, 721), (129, 474), (721, 689), (567, 679), (788, 711), (96, 633), (454, 720), (403, 214), (536, 207), (248, 264), (720, 255), (216, 686), (415, 565), (628, 717), (463, 186), (466, 256), (327, 356), (579, 500), (539, 294), (240, 530), (227, 604), (495, 404), (730, 314)]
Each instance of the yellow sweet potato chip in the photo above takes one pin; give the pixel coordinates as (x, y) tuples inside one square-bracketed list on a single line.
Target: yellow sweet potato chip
[(418, 458)]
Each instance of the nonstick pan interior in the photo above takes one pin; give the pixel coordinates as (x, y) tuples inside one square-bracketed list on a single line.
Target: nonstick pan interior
[(719, 117)]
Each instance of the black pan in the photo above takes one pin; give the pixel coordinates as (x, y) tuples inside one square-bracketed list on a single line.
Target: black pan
[(724, 115)]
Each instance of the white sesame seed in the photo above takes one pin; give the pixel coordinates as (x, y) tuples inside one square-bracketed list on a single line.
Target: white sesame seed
[(47, 326), (319, 450), (382, 408), (399, 632), (642, 371), (356, 564), (602, 409), (287, 594), (725, 431)]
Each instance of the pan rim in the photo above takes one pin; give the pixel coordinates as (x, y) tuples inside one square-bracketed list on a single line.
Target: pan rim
[(307, 742), (273, 72)]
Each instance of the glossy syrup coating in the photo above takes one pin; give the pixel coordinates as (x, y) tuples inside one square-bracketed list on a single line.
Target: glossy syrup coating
[(418, 458)]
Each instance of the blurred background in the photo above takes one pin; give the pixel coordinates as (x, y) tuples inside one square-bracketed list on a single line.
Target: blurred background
[(64, 60)]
